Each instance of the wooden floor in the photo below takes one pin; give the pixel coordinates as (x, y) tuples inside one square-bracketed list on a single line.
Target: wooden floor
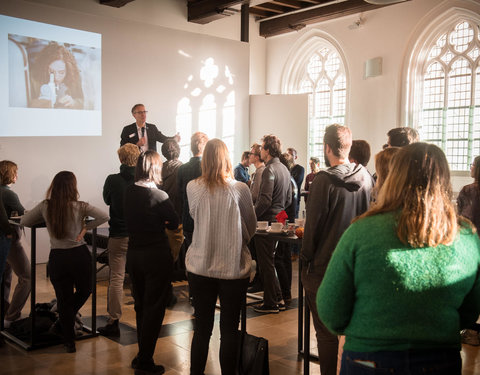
[(101, 355)]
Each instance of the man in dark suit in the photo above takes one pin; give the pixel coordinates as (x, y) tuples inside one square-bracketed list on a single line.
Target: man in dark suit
[(142, 134)]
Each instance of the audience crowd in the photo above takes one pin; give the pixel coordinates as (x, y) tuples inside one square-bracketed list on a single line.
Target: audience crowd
[(387, 259)]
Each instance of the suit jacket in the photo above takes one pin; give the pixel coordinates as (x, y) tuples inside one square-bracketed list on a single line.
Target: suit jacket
[(130, 135)]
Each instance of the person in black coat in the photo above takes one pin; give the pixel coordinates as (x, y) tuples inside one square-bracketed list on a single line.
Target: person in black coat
[(142, 134), (148, 211)]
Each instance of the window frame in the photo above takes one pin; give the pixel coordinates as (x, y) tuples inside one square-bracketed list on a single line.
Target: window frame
[(295, 66), (424, 38)]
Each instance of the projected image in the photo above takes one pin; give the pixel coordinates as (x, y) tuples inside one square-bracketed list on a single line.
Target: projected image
[(52, 80), (49, 74)]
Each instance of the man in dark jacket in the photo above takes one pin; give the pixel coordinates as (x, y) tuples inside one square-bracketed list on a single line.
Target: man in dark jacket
[(186, 173), (274, 196), (337, 195), (113, 195), (141, 133)]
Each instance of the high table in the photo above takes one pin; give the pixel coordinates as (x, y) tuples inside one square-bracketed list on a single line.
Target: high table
[(303, 310), (33, 342)]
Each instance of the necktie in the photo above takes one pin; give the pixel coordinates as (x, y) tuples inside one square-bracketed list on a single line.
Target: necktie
[(143, 132)]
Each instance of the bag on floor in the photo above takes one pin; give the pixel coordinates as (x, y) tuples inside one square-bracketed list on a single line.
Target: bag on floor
[(253, 355)]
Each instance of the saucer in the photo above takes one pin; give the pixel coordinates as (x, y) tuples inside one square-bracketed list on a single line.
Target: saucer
[(270, 230)]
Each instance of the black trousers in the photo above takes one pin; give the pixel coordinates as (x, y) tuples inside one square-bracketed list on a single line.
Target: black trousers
[(150, 271), (283, 265), (70, 269), (205, 291)]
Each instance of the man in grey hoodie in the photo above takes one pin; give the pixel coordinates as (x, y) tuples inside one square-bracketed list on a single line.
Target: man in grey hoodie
[(337, 195)]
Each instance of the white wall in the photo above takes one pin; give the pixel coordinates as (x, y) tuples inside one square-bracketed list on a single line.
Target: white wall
[(173, 14), (374, 104), (141, 63)]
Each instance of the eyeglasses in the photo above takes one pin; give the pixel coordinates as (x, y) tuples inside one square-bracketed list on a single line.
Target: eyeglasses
[(141, 112)]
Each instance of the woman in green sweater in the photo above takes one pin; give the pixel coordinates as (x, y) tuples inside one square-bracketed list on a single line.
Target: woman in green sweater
[(403, 280)]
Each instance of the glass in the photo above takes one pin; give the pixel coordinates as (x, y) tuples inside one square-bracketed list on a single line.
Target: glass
[(141, 112)]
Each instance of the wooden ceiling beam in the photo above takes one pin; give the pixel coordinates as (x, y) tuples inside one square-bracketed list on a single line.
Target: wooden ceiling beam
[(297, 21), (115, 3), (294, 4), (260, 13), (205, 11), (269, 7)]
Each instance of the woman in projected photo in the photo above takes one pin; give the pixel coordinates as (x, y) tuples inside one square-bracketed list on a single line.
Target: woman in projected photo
[(56, 69)]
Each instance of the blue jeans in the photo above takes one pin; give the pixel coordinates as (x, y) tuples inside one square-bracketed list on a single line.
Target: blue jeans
[(4, 249), (408, 362)]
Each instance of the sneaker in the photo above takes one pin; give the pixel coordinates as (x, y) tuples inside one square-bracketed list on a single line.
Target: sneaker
[(263, 309), (111, 329), (470, 337), (281, 307)]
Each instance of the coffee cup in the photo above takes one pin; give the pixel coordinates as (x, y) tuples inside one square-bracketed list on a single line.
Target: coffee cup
[(262, 225), (299, 222), (276, 227)]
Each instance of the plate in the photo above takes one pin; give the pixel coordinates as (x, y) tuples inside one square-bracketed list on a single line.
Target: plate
[(270, 230)]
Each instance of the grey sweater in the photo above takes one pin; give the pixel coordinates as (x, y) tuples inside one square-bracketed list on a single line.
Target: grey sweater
[(81, 210), (275, 191)]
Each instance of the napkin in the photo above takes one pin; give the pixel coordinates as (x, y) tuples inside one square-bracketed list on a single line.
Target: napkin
[(281, 217)]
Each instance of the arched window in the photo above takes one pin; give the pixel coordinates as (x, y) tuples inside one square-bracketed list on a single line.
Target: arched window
[(445, 92), (318, 68)]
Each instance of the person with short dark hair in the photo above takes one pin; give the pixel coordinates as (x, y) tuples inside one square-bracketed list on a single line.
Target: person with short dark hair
[(141, 133), (298, 174), (274, 196), (69, 262), (241, 170), (337, 195), (411, 264), (360, 152), (314, 169), (17, 260), (259, 165), (148, 211), (468, 199), (402, 136), (186, 173), (113, 196)]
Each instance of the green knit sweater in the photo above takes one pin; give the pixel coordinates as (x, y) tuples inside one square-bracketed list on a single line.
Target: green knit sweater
[(384, 295)]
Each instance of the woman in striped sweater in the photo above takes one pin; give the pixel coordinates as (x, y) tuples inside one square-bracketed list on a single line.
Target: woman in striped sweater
[(218, 260)]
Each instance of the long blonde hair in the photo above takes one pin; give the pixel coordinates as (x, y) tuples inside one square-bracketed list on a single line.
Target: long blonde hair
[(216, 164), (382, 165), (419, 187)]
